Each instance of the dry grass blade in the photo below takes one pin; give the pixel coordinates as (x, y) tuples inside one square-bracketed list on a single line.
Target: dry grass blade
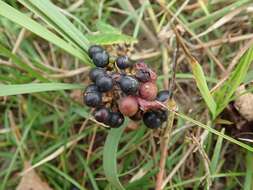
[(51, 156), (221, 22)]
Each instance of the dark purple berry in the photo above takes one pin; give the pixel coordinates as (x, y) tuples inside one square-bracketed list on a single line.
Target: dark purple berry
[(101, 59), (91, 88), (104, 83), (96, 72), (94, 49), (116, 120), (123, 62), (129, 85), (142, 75), (151, 120), (163, 96), (102, 115), (93, 99)]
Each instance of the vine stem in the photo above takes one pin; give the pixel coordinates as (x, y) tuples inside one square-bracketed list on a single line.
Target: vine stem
[(165, 139)]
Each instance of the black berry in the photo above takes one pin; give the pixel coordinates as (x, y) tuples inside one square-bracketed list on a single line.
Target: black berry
[(96, 72), (116, 120), (129, 85), (101, 59), (123, 62), (91, 88), (163, 96), (162, 114), (94, 49), (151, 120), (104, 83), (142, 75), (102, 115), (93, 99)]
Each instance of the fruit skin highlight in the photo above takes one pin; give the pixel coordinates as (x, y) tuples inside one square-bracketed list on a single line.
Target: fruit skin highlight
[(129, 85), (102, 115), (93, 99), (104, 83), (101, 59), (95, 73), (163, 95), (94, 49), (116, 120), (123, 62)]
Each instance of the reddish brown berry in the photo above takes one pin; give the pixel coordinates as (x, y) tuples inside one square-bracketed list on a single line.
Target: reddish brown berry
[(148, 90), (128, 106)]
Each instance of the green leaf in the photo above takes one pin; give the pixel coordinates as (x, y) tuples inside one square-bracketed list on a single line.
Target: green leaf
[(15, 89), (223, 94), (202, 85), (110, 38), (110, 156), (107, 28), (52, 15), (28, 23)]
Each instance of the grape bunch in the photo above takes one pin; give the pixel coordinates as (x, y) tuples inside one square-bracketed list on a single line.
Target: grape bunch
[(120, 88)]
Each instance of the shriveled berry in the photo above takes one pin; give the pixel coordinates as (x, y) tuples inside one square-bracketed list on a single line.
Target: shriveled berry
[(123, 62), (102, 115), (129, 85), (163, 95), (116, 120), (142, 75), (148, 90), (101, 59), (93, 99), (151, 120), (94, 49), (128, 106), (104, 83), (96, 72), (91, 88)]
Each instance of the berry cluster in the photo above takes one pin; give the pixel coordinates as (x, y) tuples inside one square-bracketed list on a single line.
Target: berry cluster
[(121, 88)]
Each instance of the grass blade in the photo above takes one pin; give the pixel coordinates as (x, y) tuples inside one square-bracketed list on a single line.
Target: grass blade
[(15, 59), (216, 154), (110, 156), (15, 89), (14, 158), (51, 14), (65, 176), (248, 184), (28, 23), (211, 130), (199, 77), (110, 38), (223, 95)]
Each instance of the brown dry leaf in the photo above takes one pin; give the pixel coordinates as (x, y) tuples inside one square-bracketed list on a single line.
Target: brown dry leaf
[(244, 103), (31, 181)]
